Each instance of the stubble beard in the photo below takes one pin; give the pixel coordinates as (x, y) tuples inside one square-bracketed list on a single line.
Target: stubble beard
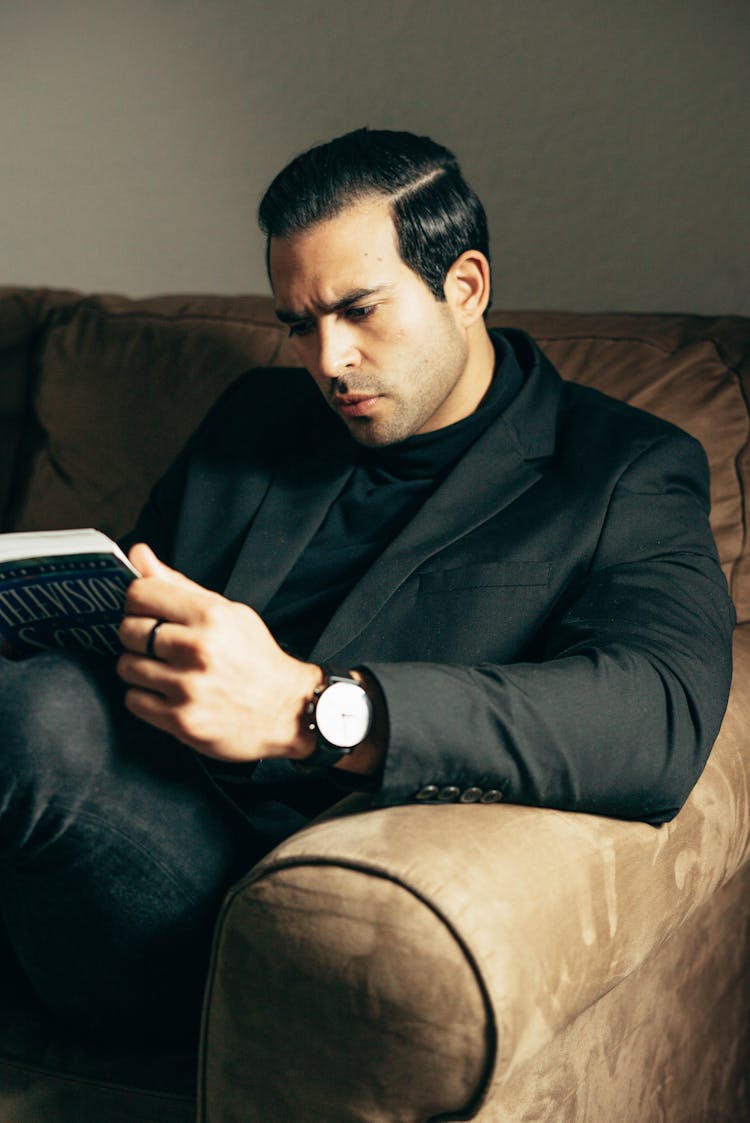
[(434, 379)]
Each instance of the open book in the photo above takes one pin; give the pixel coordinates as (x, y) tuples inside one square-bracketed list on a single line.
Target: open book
[(61, 589)]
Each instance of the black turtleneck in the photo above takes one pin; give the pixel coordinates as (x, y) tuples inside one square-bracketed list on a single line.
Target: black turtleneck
[(383, 492)]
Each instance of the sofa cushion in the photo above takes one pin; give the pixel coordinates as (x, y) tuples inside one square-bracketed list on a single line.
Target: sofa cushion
[(14, 336), (23, 314), (120, 386)]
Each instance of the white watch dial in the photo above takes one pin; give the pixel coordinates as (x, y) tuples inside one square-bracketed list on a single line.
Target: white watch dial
[(343, 714)]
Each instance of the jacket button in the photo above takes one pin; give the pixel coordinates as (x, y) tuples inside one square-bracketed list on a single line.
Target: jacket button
[(447, 795), (429, 791), (470, 795), (491, 796)]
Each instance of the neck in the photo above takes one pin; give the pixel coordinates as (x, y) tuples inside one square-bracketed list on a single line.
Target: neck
[(481, 365)]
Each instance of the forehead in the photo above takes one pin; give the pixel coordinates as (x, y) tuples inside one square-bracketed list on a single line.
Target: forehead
[(357, 248)]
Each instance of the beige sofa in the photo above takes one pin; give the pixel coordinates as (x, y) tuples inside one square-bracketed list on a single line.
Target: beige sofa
[(412, 963)]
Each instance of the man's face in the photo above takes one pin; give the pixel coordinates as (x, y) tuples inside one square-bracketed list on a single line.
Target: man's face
[(389, 358)]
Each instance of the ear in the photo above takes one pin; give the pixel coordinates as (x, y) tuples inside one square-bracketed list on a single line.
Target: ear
[(467, 286)]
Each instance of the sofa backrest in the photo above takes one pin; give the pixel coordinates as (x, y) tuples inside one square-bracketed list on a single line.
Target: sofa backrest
[(98, 393)]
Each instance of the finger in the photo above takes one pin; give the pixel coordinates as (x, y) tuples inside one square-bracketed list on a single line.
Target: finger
[(151, 675), (145, 635), (174, 643), (164, 715), (134, 632), (165, 600), (153, 709)]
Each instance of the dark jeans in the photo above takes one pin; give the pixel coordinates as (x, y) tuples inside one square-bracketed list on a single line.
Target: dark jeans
[(116, 849)]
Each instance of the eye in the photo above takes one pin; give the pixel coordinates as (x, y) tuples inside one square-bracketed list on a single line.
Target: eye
[(301, 327), (360, 313)]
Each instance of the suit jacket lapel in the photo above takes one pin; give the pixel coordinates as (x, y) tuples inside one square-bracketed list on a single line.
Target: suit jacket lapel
[(297, 500)]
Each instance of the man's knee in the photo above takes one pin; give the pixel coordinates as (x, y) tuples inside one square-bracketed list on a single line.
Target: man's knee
[(54, 713)]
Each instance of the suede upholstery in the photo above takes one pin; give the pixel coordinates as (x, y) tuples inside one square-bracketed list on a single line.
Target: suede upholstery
[(498, 963)]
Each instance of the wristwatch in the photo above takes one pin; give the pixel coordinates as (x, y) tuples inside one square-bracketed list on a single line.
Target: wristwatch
[(340, 714)]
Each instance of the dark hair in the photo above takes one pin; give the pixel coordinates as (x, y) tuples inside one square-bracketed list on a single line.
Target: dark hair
[(436, 214)]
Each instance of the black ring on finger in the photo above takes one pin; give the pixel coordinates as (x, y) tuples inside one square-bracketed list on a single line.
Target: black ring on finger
[(150, 642)]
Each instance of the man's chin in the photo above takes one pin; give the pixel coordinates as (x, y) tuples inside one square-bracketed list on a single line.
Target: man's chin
[(376, 430), (373, 434), (367, 433), (365, 430)]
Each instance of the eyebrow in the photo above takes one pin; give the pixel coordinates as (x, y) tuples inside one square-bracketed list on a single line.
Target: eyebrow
[(286, 316)]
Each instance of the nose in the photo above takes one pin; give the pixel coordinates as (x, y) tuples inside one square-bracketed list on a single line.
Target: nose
[(337, 351)]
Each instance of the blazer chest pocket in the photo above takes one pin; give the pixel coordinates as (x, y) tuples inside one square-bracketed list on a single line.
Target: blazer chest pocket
[(485, 575)]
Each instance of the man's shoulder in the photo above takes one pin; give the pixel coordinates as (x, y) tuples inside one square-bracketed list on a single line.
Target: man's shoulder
[(617, 442), (599, 413), (588, 424)]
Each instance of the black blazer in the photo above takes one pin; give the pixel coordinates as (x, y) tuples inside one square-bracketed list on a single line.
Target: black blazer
[(552, 625)]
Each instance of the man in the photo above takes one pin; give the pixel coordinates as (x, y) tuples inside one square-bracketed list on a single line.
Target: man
[(423, 564)]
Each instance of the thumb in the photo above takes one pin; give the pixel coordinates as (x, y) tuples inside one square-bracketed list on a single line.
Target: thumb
[(149, 565)]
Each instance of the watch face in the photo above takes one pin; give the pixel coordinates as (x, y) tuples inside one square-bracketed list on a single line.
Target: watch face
[(343, 714)]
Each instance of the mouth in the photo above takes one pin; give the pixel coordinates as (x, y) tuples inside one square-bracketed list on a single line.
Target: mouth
[(355, 405)]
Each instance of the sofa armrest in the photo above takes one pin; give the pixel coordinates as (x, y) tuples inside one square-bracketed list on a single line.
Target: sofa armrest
[(397, 964)]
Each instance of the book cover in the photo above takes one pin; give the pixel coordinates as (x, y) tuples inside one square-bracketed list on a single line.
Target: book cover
[(61, 590)]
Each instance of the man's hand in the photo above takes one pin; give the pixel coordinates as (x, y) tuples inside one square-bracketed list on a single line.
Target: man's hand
[(219, 682)]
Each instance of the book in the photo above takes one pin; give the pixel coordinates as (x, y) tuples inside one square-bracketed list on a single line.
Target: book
[(61, 589)]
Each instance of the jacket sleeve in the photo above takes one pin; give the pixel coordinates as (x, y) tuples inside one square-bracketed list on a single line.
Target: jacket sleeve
[(620, 712)]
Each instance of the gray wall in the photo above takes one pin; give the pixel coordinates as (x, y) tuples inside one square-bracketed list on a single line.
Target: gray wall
[(610, 141)]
